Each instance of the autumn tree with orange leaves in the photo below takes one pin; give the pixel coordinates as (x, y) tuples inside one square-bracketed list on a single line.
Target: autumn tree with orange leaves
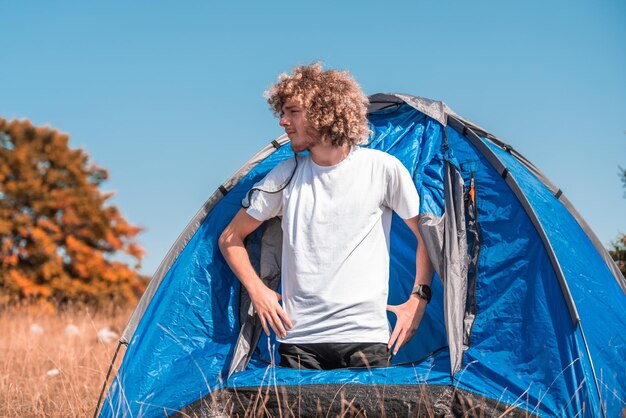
[(60, 240)]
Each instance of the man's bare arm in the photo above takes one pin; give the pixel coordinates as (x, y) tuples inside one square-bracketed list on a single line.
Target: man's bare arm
[(410, 313), (264, 300)]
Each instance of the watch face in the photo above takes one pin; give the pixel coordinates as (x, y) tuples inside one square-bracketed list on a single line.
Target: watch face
[(423, 291)]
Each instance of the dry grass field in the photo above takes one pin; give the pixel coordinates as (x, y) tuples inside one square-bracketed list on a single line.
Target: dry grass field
[(53, 365)]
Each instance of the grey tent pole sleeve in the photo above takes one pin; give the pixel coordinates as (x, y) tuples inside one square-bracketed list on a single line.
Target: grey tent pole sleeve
[(455, 264), (432, 108)]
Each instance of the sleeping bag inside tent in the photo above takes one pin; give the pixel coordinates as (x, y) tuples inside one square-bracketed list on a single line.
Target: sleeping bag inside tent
[(527, 316)]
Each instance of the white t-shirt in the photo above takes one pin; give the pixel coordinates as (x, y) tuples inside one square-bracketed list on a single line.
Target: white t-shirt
[(336, 222)]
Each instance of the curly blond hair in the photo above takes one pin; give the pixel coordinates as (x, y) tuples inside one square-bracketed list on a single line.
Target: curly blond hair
[(334, 103)]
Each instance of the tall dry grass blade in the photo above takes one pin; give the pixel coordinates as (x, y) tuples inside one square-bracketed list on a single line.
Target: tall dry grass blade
[(348, 408), (238, 399), (500, 398), (553, 381), (515, 404), (334, 397), (580, 386), (259, 394), (270, 348)]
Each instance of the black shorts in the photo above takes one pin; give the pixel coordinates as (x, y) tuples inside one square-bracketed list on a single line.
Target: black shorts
[(326, 356)]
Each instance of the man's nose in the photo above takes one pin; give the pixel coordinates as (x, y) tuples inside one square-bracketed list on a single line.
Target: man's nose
[(283, 121)]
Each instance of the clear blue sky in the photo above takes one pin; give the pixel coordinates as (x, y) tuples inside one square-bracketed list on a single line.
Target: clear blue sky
[(168, 96)]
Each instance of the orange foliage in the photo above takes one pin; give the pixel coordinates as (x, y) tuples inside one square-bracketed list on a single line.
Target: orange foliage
[(59, 238)]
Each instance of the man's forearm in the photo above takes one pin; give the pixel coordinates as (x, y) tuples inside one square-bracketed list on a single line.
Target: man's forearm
[(236, 255), (264, 299), (423, 267)]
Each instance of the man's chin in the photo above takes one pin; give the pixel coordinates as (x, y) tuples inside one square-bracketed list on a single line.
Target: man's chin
[(297, 148)]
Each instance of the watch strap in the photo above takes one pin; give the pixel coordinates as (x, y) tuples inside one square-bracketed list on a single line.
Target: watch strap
[(423, 291)]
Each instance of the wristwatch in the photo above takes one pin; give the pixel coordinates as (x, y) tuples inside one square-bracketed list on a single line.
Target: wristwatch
[(423, 291)]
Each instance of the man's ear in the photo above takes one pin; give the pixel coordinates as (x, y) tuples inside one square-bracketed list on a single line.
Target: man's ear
[(314, 133)]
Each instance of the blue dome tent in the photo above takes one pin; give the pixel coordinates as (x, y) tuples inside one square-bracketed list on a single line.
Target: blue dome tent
[(528, 313)]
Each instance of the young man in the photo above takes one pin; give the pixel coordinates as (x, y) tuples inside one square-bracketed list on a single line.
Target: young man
[(335, 205)]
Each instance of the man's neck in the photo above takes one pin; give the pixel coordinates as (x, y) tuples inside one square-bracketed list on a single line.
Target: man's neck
[(325, 154)]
